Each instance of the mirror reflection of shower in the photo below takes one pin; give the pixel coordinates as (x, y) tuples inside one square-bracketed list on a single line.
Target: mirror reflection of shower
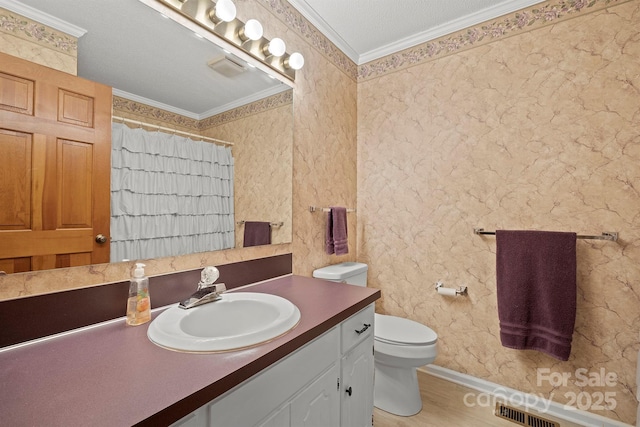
[(163, 78)]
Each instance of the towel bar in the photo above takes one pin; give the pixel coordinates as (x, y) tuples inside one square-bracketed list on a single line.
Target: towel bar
[(606, 235), (314, 209), (273, 224)]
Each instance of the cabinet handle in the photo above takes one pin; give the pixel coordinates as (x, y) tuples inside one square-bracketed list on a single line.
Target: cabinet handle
[(366, 326), (348, 391)]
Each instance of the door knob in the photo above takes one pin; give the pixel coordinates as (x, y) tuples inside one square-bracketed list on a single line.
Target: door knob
[(101, 238), (348, 391)]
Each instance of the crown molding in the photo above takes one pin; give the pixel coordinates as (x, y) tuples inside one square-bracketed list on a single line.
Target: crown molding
[(327, 31), (244, 101), (195, 116), (493, 12), (456, 25), (43, 18), (549, 12), (155, 104)]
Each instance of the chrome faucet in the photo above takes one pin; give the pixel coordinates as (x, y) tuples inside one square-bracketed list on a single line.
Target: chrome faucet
[(207, 290)]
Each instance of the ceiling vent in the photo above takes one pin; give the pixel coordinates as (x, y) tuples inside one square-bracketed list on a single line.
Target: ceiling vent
[(226, 66)]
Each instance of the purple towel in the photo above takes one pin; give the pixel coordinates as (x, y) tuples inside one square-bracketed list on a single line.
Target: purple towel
[(536, 287), (257, 233), (336, 240)]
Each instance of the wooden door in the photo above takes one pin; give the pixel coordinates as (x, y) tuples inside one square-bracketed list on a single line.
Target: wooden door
[(55, 149)]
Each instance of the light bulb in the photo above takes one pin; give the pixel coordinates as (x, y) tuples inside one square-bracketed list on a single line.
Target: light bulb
[(295, 61), (252, 30), (276, 47), (224, 10)]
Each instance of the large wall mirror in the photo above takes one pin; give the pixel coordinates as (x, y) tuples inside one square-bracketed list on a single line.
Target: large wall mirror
[(165, 74)]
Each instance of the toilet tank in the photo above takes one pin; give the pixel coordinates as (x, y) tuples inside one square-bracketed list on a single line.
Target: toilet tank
[(353, 273)]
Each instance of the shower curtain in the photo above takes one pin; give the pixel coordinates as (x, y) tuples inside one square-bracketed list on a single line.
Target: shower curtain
[(170, 195)]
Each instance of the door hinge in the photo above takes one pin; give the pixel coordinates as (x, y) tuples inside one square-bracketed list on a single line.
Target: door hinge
[(338, 383)]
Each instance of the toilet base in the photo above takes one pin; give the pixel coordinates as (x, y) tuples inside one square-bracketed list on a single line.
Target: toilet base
[(396, 390)]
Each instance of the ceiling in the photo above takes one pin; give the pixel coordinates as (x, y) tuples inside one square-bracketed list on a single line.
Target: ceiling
[(148, 58), (369, 29), (145, 57)]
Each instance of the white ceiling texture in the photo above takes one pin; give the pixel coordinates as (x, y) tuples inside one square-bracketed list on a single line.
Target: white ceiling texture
[(369, 29), (167, 67)]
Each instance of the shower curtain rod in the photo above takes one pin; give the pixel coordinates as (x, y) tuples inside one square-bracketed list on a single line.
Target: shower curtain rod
[(137, 122), (606, 235)]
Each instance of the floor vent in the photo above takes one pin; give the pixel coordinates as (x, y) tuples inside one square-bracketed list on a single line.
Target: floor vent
[(521, 417)]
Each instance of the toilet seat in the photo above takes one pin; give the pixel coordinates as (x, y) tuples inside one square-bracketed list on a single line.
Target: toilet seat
[(399, 331)]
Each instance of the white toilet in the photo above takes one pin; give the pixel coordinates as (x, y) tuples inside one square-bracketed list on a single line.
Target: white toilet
[(401, 345)]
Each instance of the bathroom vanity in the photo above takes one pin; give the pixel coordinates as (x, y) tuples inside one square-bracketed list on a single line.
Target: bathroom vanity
[(111, 374), (327, 382)]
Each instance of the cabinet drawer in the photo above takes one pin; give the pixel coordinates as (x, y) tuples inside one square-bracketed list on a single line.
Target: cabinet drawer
[(357, 328)]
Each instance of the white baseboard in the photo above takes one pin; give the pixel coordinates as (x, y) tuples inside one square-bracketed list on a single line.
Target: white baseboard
[(518, 398)]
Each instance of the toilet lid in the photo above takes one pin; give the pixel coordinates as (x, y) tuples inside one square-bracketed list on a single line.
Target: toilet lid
[(402, 331)]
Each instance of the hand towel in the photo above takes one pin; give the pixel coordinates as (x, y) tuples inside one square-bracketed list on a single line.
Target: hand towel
[(257, 233), (336, 239), (536, 287)]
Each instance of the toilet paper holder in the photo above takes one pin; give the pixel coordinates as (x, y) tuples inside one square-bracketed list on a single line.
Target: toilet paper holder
[(462, 290)]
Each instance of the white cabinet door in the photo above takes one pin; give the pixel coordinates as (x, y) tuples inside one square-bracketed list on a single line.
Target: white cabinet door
[(318, 405), (254, 400), (280, 418), (357, 386), (197, 418)]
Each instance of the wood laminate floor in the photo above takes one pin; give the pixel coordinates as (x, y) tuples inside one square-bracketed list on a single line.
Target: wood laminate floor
[(443, 405)]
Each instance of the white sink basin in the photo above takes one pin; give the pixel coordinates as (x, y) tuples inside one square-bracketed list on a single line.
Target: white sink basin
[(238, 320)]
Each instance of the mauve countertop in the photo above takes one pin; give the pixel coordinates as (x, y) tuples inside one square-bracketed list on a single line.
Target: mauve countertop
[(112, 375)]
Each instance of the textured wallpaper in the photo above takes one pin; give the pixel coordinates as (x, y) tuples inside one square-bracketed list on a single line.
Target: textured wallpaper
[(262, 153), (535, 131), (325, 144), (534, 126), (27, 39)]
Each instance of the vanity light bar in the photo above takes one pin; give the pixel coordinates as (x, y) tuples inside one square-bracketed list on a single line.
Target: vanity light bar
[(247, 37)]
